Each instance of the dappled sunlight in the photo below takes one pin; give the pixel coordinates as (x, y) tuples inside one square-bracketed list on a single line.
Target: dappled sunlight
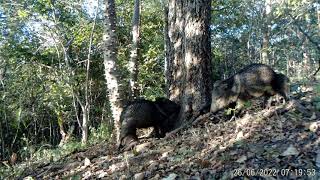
[(194, 29), (81, 80), (215, 146)]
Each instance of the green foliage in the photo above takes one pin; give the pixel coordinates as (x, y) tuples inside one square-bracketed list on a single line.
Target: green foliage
[(22, 14), (317, 104), (316, 99), (99, 134), (10, 172), (43, 154), (151, 61), (41, 80), (237, 31), (317, 89), (75, 177), (247, 104), (44, 46)]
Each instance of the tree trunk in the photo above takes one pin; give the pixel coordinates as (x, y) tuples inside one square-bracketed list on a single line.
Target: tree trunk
[(2, 71), (318, 15), (167, 46), (86, 108), (133, 64), (266, 29), (110, 58), (61, 127), (189, 55), (85, 128), (174, 48), (265, 48)]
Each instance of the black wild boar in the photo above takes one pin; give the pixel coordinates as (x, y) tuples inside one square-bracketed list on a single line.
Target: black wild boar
[(252, 81), (160, 114)]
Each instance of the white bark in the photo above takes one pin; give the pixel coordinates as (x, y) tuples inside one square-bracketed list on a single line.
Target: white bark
[(133, 64), (110, 58), (266, 29)]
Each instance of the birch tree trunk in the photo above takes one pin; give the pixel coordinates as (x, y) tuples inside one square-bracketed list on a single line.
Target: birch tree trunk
[(2, 71), (110, 58), (133, 64), (189, 55), (86, 108), (266, 29)]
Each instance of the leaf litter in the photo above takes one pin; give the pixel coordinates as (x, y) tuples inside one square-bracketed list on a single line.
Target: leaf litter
[(214, 147)]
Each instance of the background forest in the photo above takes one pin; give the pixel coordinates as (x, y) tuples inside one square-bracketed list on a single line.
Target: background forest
[(52, 64)]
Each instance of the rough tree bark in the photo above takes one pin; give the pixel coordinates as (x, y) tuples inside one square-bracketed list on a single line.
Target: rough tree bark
[(133, 64), (167, 45), (174, 48), (188, 56), (110, 57)]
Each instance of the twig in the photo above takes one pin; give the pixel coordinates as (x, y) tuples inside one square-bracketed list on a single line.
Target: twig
[(193, 121)]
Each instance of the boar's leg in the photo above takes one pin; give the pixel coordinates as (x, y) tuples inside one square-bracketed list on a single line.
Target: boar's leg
[(267, 101), (154, 133), (128, 133), (163, 129), (284, 94), (238, 107), (281, 85), (128, 142), (157, 131)]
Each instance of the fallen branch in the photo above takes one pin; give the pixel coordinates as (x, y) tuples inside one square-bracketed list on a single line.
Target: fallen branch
[(315, 73), (193, 121)]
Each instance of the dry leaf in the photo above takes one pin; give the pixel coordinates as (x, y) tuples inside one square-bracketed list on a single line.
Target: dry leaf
[(142, 147), (314, 116), (139, 176), (291, 150), (87, 162), (242, 159), (170, 177), (318, 159), (239, 135)]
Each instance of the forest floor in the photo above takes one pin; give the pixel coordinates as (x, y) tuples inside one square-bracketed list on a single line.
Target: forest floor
[(282, 142)]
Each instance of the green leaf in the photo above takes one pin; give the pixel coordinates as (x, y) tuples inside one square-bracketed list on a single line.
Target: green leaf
[(22, 14)]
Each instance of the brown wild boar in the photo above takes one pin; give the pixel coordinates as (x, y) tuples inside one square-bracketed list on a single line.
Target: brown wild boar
[(252, 81)]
